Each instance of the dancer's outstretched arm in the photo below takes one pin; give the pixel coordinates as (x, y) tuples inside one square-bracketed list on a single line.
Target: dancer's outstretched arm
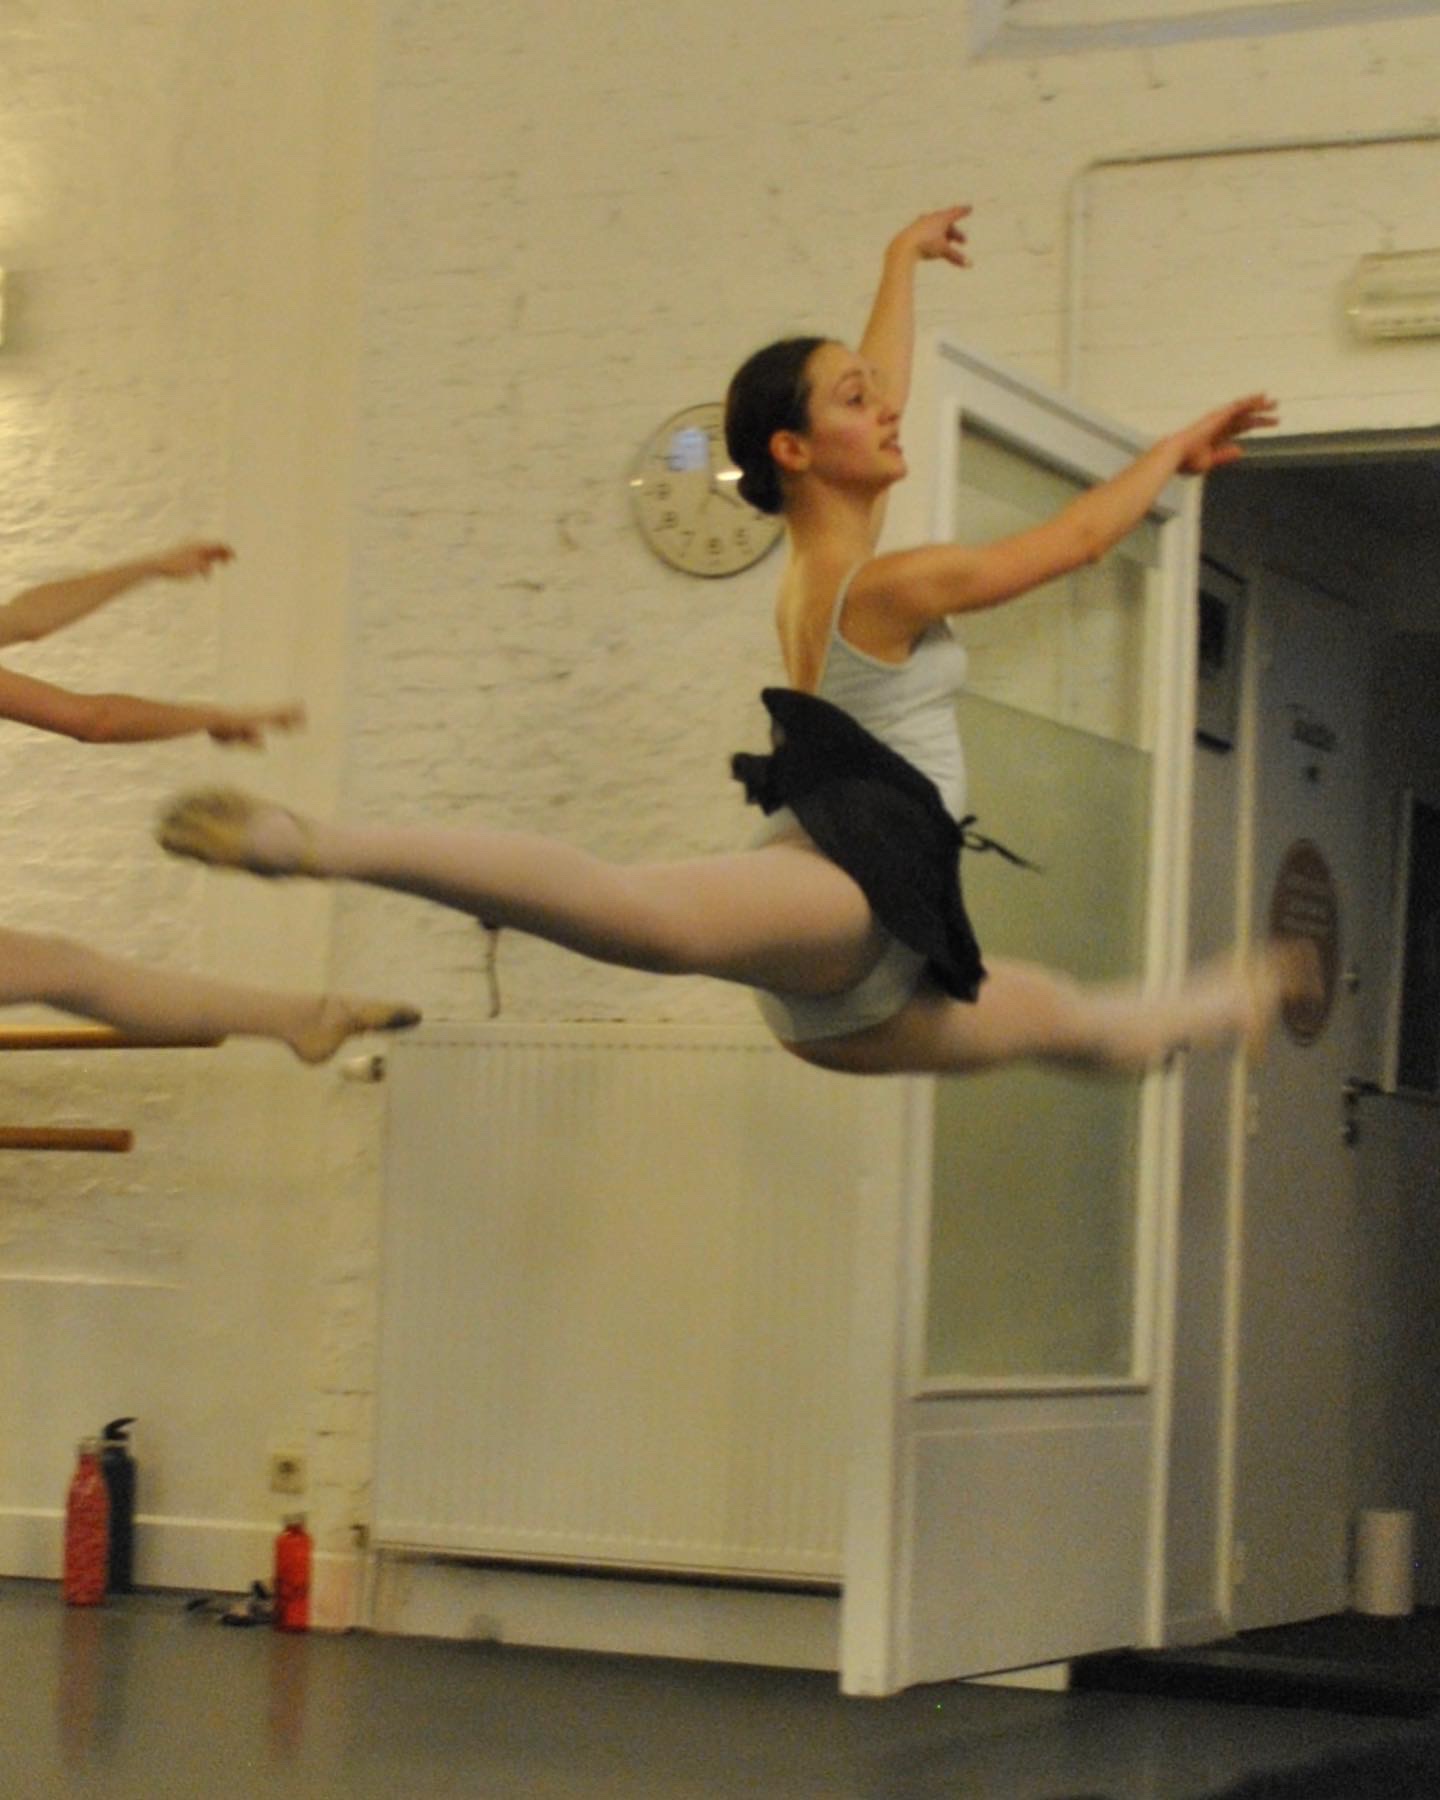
[(130, 719), (39, 612), (888, 341), (917, 586)]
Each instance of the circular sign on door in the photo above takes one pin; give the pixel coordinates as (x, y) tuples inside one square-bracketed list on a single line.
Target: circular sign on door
[(1304, 903)]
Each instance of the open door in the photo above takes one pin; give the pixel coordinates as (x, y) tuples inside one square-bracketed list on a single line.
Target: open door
[(1302, 1319), (1015, 1284)]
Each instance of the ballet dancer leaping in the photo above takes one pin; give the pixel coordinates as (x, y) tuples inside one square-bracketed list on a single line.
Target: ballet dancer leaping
[(846, 914), (156, 1006)]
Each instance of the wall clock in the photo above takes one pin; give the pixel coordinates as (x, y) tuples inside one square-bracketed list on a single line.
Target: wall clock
[(687, 504)]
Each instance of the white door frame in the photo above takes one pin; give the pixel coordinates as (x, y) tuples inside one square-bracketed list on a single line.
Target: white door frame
[(897, 1412)]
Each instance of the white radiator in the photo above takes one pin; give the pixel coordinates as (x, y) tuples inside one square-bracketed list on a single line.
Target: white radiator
[(615, 1282)]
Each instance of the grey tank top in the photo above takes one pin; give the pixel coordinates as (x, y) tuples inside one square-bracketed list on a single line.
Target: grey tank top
[(909, 706)]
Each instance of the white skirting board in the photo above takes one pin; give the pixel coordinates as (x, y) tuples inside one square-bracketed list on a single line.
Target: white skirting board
[(204, 1555), (615, 1284), (418, 1598)]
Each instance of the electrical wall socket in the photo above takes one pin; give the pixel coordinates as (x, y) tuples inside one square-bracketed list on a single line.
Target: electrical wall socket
[(287, 1472)]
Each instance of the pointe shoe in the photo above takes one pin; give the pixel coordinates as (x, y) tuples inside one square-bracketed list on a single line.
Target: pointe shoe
[(1286, 971), (1302, 978), (217, 826), (386, 1016), (341, 1017)]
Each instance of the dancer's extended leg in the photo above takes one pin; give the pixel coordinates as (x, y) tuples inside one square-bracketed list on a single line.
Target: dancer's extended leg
[(163, 1006), (1024, 1011), (781, 917)]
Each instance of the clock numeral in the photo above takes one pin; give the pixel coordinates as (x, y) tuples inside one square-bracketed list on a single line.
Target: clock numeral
[(673, 487)]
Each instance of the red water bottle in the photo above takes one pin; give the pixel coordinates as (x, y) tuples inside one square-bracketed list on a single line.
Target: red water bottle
[(87, 1530), (292, 1576)]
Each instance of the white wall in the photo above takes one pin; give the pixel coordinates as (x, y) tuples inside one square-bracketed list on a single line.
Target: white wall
[(180, 206), (575, 226)]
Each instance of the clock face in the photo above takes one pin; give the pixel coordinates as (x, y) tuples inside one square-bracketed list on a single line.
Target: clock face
[(686, 499)]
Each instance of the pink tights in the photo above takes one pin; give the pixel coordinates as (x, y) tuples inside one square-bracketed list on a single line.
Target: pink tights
[(164, 1006), (781, 917)]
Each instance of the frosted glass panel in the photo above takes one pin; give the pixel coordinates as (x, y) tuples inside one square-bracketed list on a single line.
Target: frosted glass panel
[(1079, 648), (1032, 1245)]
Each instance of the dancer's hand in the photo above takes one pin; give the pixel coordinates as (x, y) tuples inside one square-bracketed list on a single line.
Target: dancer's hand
[(247, 726), (187, 560), (936, 237), (1210, 442)]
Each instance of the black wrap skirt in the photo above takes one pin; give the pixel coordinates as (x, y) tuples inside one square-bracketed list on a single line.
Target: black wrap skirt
[(881, 820)]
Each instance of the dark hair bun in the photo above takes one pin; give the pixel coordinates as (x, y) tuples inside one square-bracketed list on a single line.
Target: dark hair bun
[(760, 488), (769, 393)]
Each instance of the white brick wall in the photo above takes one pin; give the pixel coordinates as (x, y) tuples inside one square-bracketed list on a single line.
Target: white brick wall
[(170, 219), (111, 394), (576, 223)]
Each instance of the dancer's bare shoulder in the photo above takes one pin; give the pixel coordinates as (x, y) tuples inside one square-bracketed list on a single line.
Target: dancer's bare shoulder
[(804, 608)]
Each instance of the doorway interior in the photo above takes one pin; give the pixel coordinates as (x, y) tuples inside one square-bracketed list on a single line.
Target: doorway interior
[(1354, 520)]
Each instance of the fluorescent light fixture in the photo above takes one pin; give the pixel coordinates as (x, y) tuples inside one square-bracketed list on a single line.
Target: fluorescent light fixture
[(1044, 27), (1396, 295)]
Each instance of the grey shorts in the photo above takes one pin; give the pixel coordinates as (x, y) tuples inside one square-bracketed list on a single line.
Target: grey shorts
[(885, 991)]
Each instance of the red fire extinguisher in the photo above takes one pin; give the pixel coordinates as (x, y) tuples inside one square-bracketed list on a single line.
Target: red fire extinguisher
[(87, 1530), (293, 1550)]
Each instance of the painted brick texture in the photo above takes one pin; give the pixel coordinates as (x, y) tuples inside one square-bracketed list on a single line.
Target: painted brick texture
[(411, 378)]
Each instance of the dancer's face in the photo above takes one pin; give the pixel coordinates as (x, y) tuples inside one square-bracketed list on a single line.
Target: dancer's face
[(853, 439)]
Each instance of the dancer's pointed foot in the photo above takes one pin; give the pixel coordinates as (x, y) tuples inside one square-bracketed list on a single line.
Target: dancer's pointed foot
[(232, 829), (339, 1017), (1286, 971)]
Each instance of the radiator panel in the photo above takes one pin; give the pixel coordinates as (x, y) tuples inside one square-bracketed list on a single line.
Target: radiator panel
[(615, 1280)]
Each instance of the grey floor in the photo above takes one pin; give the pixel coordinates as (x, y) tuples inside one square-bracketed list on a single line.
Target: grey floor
[(140, 1700)]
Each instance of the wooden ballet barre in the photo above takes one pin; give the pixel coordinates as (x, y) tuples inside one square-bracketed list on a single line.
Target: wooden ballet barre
[(114, 1139), (65, 1137), (89, 1037)]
